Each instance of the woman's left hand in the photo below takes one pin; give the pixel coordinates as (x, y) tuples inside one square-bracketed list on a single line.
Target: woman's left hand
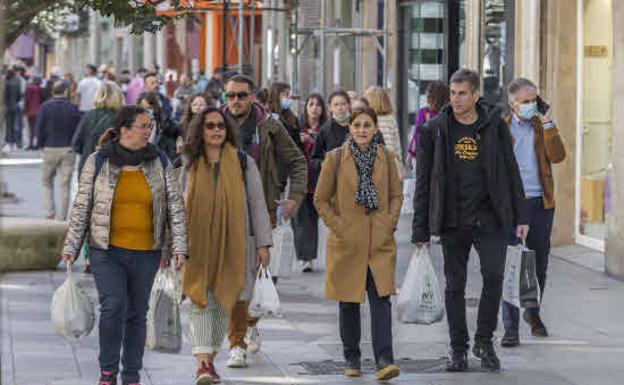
[(179, 261), (262, 256)]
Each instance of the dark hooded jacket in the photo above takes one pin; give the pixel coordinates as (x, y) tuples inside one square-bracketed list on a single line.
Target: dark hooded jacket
[(435, 173)]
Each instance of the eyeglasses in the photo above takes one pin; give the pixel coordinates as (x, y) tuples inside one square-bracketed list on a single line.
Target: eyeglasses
[(214, 126), (198, 105), (241, 95), (147, 126), (366, 126)]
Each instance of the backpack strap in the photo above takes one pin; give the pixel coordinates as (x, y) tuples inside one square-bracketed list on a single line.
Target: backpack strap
[(99, 163), (242, 159), (338, 151), (164, 159)]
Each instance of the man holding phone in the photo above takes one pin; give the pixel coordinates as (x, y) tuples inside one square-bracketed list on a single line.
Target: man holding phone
[(537, 145)]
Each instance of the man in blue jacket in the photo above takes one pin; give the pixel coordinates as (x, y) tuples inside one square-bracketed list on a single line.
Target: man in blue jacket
[(56, 123)]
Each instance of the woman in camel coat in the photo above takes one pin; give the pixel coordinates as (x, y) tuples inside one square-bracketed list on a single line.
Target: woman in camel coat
[(359, 198)]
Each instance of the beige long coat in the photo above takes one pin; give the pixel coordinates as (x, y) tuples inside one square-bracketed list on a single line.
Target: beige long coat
[(357, 241)]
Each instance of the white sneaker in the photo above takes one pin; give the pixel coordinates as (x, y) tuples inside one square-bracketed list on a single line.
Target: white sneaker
[(252, 339), (308, 266), (238, 358)]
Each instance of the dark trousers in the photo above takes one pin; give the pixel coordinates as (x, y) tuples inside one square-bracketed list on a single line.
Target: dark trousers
[(381, 326), (11, 126), (124, 281), (32, 130), (538, 240), (305, 230), (491, 247)]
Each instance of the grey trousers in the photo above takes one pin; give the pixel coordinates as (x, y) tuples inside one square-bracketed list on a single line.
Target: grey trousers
[(59, 160)]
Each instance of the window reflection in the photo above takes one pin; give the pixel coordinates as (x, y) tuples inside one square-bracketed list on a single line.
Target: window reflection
[(496, 68)]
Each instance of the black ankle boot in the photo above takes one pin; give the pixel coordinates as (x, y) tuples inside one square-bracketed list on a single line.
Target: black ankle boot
[(487, 354), (457, 362)]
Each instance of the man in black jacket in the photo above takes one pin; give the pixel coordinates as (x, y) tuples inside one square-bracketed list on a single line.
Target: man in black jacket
[(469, 192)]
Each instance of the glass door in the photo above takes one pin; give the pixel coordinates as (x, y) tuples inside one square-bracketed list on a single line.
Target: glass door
[(594, 133), (497, 49)]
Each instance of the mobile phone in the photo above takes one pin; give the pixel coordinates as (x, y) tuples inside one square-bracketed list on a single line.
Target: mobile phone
[(542, 106)]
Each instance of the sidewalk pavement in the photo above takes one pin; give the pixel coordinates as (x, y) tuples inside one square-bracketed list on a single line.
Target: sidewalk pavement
[(583, 310)]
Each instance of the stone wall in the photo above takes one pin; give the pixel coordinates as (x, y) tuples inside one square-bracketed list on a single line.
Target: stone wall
[(614, 248), (559, 87)]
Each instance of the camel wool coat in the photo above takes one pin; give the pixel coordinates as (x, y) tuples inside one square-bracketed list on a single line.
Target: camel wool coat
[(357, 241)]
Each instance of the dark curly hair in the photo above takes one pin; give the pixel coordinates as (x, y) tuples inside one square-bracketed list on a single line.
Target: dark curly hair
[(319, 99), (124, 118), (437, 95), (194, 140), (154, 101)]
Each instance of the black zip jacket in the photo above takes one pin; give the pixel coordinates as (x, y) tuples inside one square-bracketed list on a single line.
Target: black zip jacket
[(331, 135), (434, 178)]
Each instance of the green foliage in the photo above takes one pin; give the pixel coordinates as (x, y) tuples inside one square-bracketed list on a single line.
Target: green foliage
[(46, 16)]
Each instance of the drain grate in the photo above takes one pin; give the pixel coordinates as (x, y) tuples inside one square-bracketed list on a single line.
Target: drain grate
[(331, 367)]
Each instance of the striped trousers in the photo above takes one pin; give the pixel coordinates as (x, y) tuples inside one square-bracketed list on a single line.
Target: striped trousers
[(208, 327)]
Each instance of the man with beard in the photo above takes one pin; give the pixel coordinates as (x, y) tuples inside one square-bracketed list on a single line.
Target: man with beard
[(275, 153)]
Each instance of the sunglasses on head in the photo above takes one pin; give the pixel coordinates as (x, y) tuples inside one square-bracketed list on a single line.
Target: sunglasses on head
[(240, 95)]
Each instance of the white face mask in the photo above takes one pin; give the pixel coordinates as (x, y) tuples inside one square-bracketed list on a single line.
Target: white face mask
[(527, 111), (341, 118)]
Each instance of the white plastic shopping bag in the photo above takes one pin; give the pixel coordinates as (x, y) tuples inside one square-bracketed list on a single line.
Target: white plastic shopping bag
[(72, 310), (265, 301), (322, 245), (164, 329), (420, 299), (283, 250), (409, 188), (511, 284), (520, 287)]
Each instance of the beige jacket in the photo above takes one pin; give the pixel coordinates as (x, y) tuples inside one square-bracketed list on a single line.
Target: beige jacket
[(357, 241)]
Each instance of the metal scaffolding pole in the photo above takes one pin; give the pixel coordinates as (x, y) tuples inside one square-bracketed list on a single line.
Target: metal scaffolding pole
[(386, 45), (252, 31), (322, 65), (241, 35), (224, 36)]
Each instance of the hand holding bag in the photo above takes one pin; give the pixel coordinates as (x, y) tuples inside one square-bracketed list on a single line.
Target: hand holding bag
[(420, 298), (164, 329), (265, 301), (520, 286), (72, 310)]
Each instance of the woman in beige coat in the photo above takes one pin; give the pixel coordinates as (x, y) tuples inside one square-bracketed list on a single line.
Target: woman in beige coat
[(359, 198)]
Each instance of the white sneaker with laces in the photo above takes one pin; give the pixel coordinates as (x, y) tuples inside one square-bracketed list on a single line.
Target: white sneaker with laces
[(308, 266), (252, 339), (238, 358)]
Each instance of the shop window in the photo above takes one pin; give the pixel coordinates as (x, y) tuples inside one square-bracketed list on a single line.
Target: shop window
[(497, 49), (596, 129)]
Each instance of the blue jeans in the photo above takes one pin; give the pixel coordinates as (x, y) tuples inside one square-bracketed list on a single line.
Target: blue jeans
[(124, 281), (538, 240)]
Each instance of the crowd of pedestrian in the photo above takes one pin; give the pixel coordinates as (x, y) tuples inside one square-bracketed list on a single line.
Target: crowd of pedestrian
[(216, 164)]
